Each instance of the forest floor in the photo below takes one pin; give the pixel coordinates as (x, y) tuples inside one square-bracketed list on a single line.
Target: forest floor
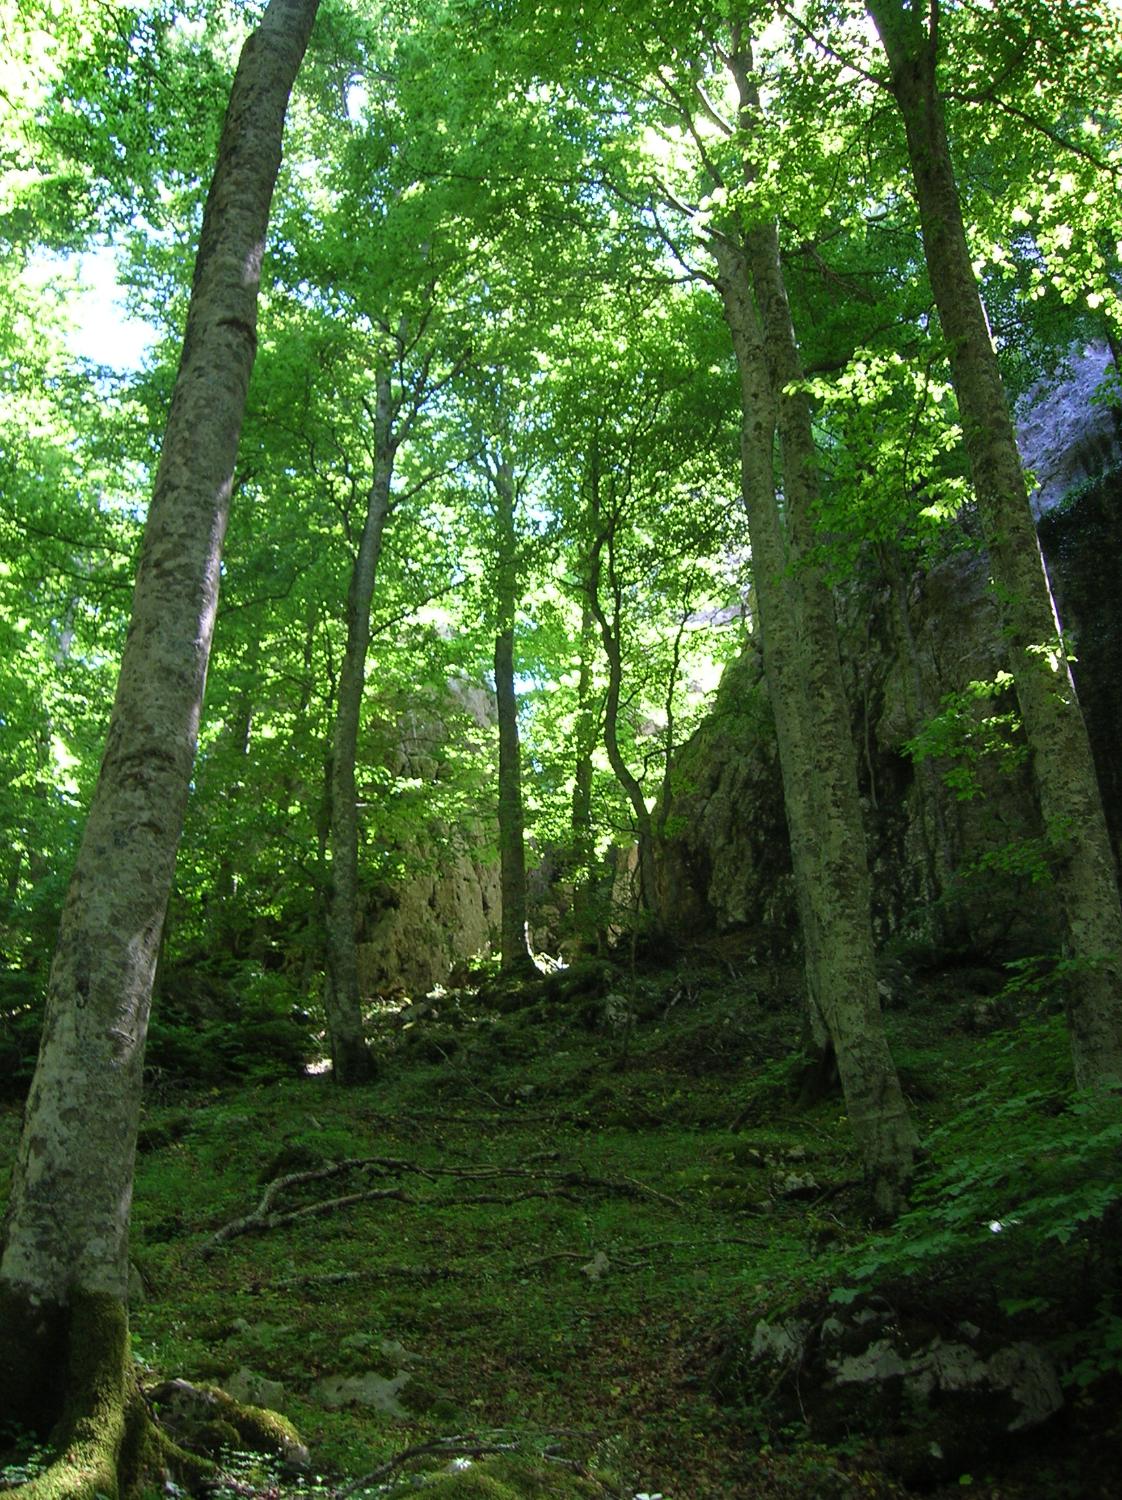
[(550, 1228)]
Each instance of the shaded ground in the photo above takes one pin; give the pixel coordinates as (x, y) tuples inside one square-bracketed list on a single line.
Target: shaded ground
[(562, 1202)]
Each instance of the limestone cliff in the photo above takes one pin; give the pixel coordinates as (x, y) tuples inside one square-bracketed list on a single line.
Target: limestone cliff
[(430, 900), (959, 873)]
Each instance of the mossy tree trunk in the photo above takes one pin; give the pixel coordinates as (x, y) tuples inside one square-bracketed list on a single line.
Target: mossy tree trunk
[(805, 687), (64, 1264), (1083, 860)]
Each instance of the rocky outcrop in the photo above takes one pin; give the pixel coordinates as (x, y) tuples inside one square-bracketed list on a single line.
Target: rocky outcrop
[(953, 835), (1065, 435), (937, 1396), (430, 897), (442, 914)]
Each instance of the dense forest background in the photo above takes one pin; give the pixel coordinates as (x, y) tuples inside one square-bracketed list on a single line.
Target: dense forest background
[(645, 798)]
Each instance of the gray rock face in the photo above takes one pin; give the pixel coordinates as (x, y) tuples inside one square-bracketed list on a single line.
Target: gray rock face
[(935, 1400), (439, 905), (907, 646), (1065, 437), (956, 873)]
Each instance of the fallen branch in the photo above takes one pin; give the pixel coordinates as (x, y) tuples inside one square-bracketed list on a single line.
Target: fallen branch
[(470, 1446), (453, 1447), (556, 1184), (626, 1265)]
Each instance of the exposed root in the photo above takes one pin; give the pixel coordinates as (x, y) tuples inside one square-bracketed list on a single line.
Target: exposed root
[(111, 1440), (105, 1441), (554, 1184)]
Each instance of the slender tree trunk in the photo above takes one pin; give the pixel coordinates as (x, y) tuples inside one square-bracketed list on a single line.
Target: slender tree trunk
[(64, 1269), (240, 732), (1083, 860), (583, 846), (350, 1057), (514, 945), (609, 627), (803, 671)]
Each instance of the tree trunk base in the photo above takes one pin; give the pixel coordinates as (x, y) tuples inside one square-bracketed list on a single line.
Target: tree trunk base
[(352, 1064), (817, 1077), (105, 1443)]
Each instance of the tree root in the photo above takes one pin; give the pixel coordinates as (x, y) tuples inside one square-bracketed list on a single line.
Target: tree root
[(105, 1441), (110, 1440), (508, 1448), (554, 1184)]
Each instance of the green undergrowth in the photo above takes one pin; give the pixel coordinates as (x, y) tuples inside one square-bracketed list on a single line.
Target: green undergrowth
[(585, 1194)]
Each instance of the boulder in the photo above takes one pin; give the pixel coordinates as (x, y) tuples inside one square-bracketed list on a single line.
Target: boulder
[(206, 1420), (937, 1399), (365, 1389)]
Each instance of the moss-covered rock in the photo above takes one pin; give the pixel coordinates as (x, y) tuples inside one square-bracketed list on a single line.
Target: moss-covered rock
[(503, 1478), (193, 1415), (212, 1437)]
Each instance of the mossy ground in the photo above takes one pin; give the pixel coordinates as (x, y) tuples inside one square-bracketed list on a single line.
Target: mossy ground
[(576, 1313)]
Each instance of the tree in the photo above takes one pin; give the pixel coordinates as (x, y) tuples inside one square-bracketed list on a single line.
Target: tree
[(1082, 857), (342, 1002), (793, 600), (514, 951), (636, 447), (64, 1268)]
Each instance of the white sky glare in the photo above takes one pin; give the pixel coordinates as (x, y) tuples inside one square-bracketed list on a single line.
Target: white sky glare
[(100, 328)]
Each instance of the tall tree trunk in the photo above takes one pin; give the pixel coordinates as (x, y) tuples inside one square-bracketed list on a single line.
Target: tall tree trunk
[(64, 1268), (224, 923), (583, 844), (803, 671), (1083, 860), (609, 627), (514, 945), (350, 1057)]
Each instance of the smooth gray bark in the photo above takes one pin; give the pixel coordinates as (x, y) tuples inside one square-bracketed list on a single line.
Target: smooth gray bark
[(350, 1057), (1082, 858), (66, 1233)]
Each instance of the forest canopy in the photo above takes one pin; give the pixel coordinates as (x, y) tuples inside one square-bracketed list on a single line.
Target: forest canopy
[(576, 452)]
